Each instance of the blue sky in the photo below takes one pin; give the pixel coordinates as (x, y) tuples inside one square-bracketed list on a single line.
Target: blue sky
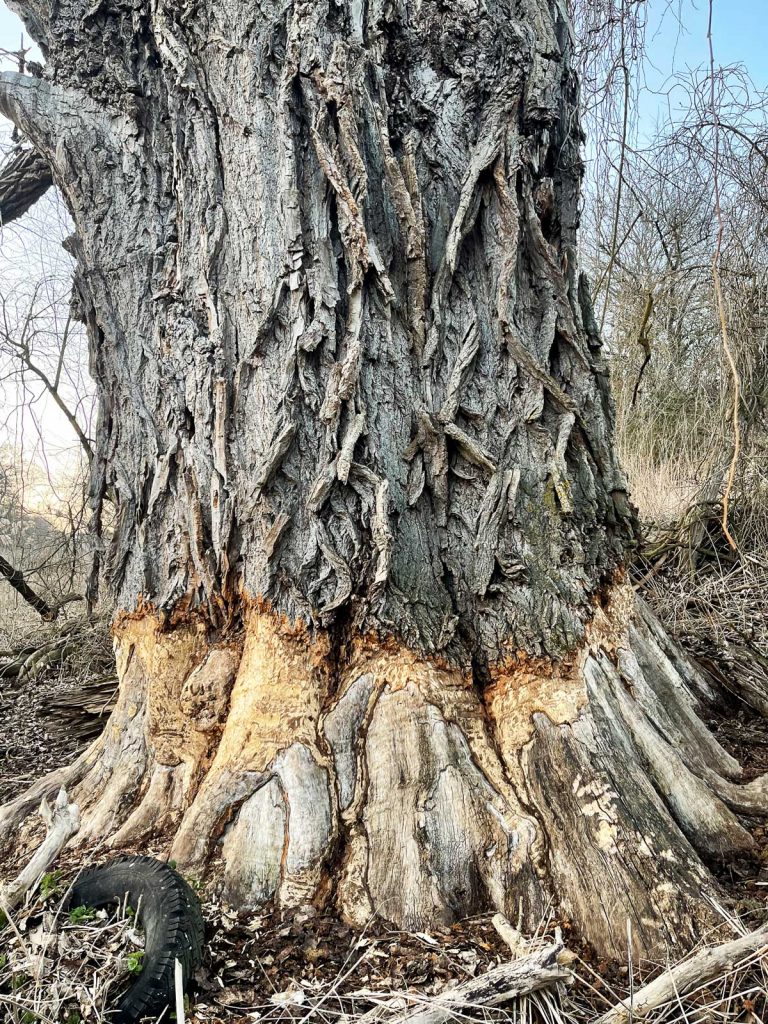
[(740, 30), (676, 44)]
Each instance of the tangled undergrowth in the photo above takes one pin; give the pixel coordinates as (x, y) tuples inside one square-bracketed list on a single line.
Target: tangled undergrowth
[(66, 965)]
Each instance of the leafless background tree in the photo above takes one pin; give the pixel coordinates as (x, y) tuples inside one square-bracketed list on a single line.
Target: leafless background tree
[(46, 399), (674, 238), (651, 234)]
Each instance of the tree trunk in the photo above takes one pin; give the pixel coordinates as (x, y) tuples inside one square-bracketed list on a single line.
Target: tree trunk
[(25, 177), (377, 645)]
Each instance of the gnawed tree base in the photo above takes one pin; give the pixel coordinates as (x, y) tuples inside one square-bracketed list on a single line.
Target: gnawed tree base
[(328, 261), (291, 771)]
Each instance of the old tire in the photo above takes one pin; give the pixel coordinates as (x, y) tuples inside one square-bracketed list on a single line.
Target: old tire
[(172, 920)]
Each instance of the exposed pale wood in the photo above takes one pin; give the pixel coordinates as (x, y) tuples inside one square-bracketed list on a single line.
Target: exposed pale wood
[(370, 527), (704, 966), (62, 821), (46, 788), (518, 944)]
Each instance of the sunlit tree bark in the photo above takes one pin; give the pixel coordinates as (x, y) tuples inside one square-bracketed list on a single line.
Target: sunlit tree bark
[(376, 643)]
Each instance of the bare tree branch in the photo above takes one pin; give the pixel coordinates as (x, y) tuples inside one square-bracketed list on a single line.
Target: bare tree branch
[(53, 390), (19, 584)]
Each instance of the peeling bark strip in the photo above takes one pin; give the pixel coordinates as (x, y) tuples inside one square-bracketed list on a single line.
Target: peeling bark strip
[(356, 423), (323, 289)]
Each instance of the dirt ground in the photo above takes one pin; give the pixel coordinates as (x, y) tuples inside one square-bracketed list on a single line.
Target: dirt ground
[(268, 967)]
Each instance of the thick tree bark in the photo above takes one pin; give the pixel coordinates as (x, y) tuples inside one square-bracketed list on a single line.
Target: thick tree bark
[(25, 177), (371, 533)]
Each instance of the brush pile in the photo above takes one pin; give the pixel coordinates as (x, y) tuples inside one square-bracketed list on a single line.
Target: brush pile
[(57, 687)]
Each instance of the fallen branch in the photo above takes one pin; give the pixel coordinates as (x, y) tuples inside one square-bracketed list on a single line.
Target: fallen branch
[(520, 977), (705, 966), (62, 821), (518, 944)]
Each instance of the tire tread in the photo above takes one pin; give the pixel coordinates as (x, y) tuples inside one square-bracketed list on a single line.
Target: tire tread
[(173, 922)]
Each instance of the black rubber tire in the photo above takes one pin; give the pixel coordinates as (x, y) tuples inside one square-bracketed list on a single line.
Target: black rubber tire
[(169, 912)]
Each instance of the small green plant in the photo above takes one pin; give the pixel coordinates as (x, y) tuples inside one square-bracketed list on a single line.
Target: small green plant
[(73, 1017), (29, 1017), (80, 915), (18, 981), (3, 961), (51, 884), (134, 962)]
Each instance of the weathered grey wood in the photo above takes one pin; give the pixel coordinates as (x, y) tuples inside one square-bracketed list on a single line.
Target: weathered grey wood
[(62, 822), (371, 534), (707, 965), (531, 973)]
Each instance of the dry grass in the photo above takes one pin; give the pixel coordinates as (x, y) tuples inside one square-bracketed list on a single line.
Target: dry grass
[(662, 490), (59, 967), (56, 971)]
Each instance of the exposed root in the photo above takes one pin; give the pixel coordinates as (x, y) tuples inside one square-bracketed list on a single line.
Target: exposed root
[(61, 821), (429, 811), (14, 813), (399, 787)]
